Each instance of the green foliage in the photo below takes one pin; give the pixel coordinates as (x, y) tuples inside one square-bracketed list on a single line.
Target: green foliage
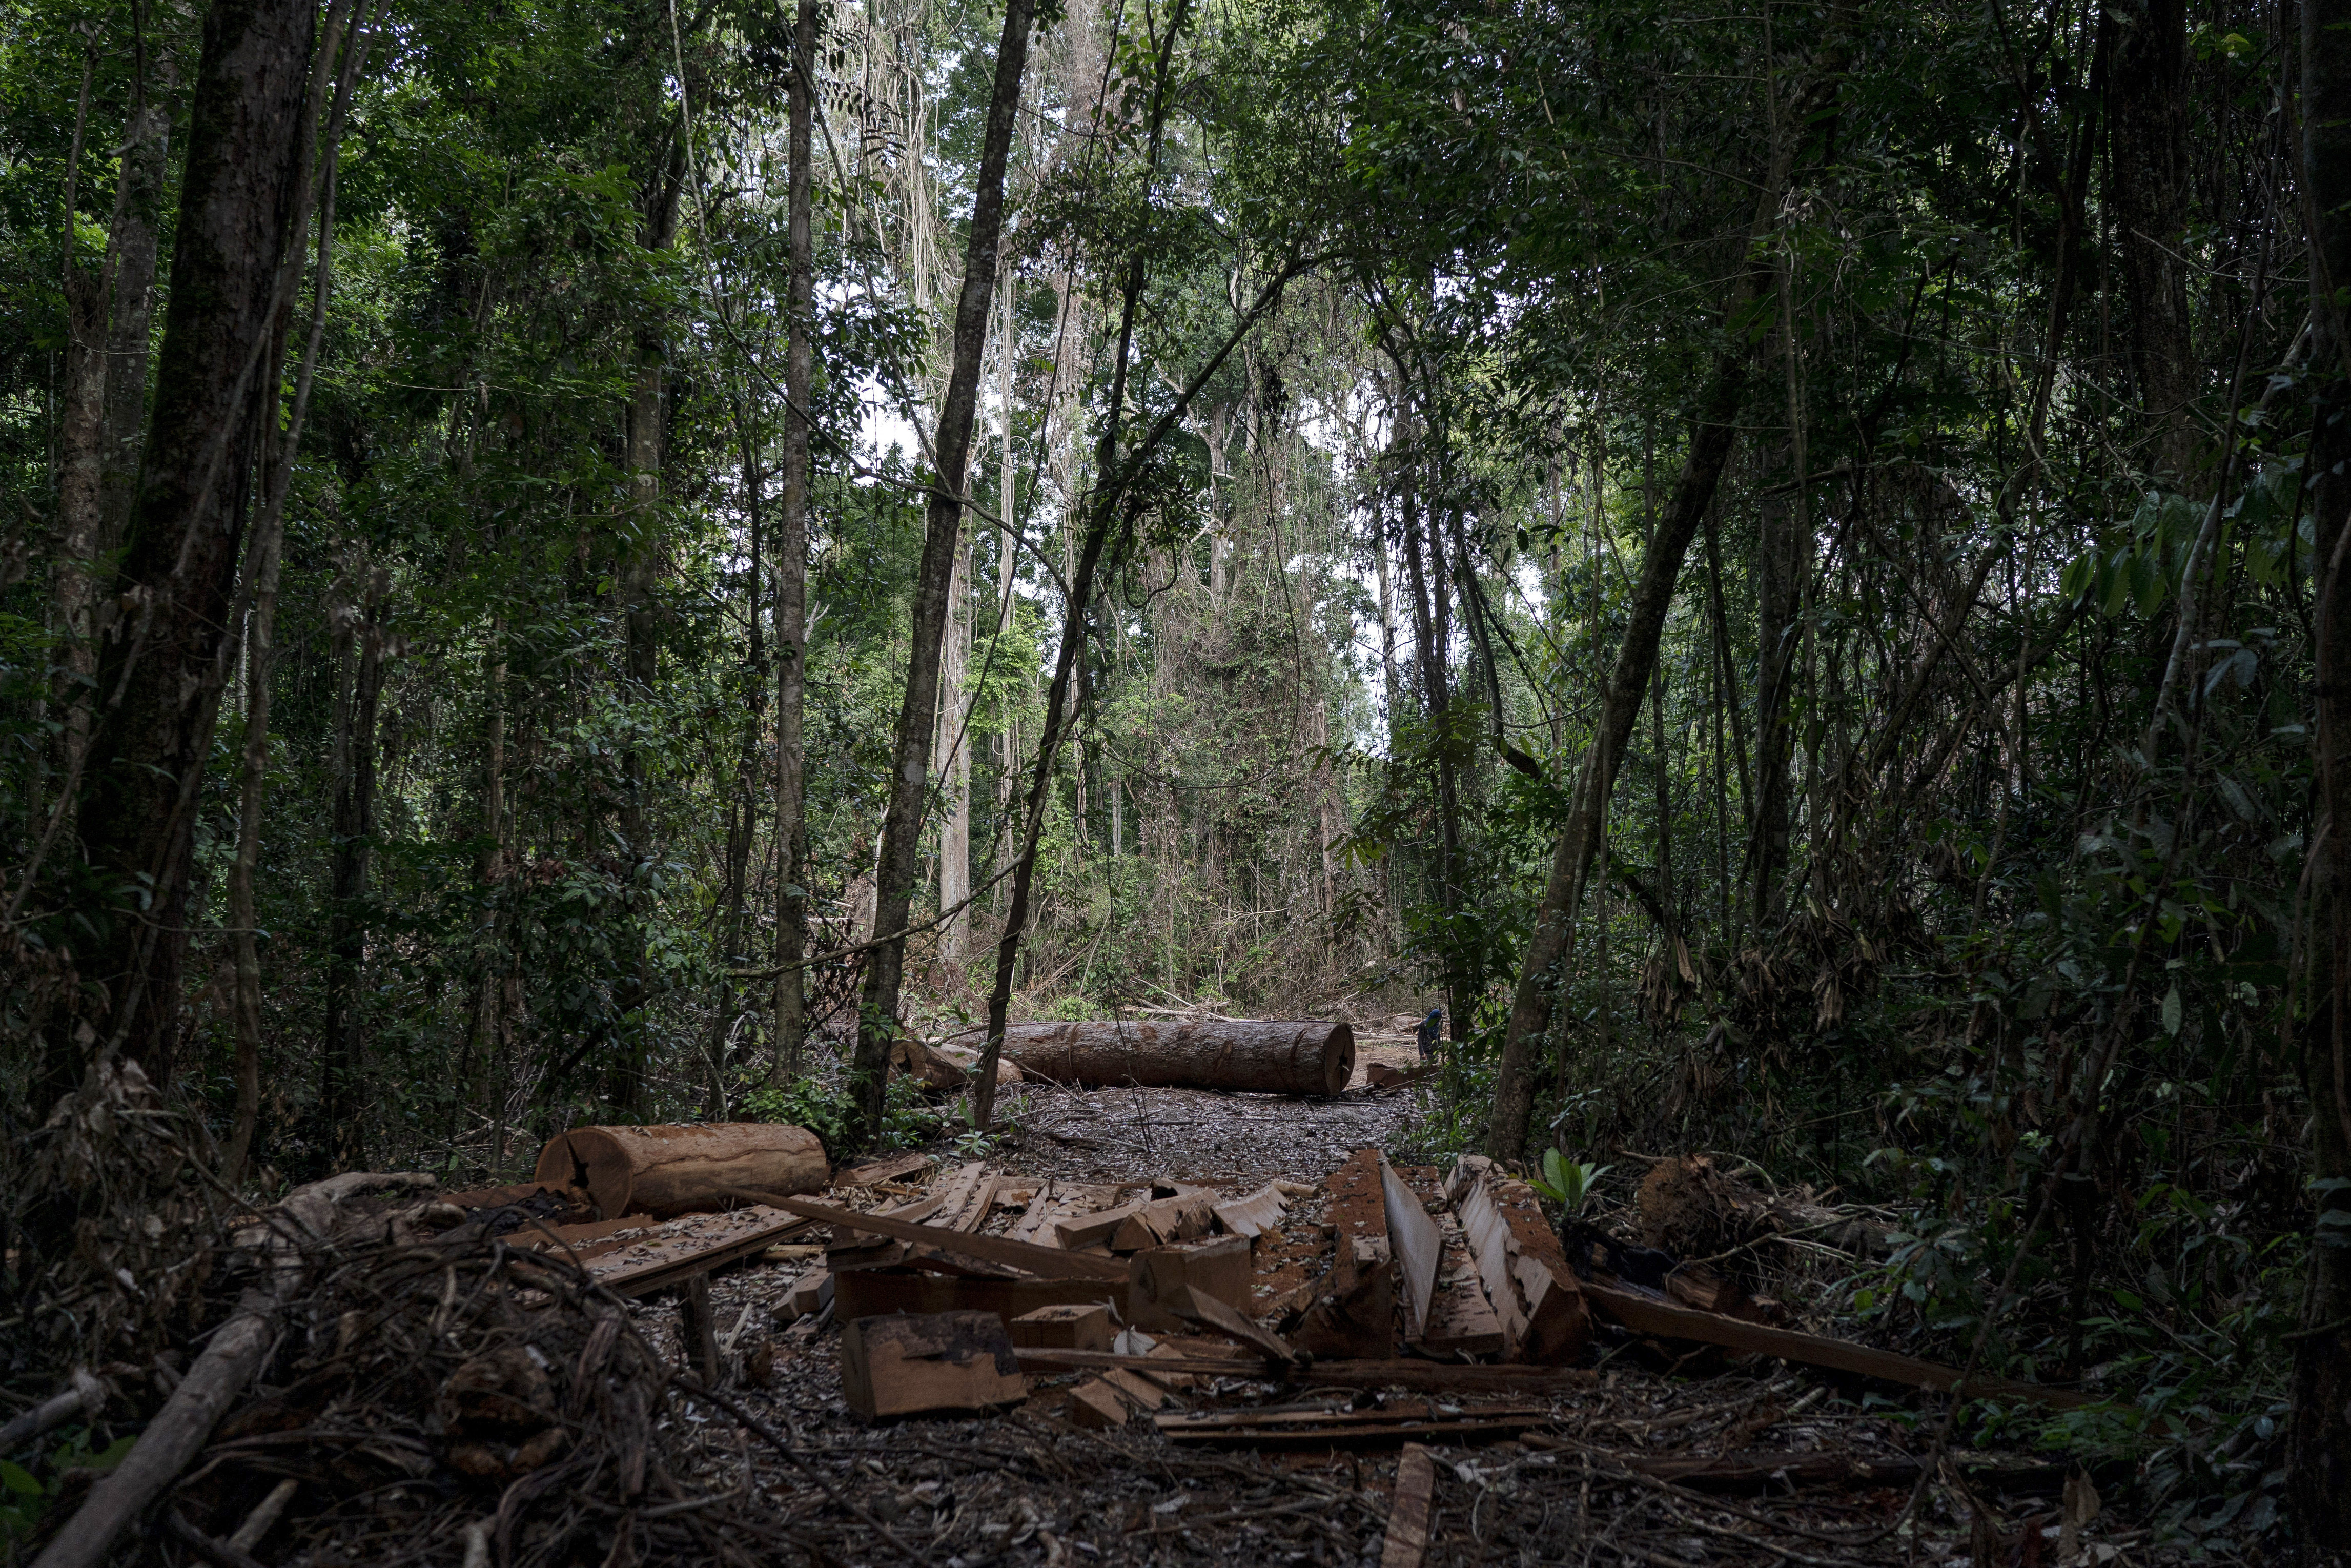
[(26, 1496), (824, 1107), (1567, 1182)]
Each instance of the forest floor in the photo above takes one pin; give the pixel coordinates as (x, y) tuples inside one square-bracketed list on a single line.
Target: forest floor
[(1029, 1487)]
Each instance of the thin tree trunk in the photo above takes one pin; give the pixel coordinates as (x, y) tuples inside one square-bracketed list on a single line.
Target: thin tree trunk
[(2147, 127), (1620, 703), (2318, 1454), (954, 725), (340, 1087), (791, 558), (877, 1023), (163, 669)]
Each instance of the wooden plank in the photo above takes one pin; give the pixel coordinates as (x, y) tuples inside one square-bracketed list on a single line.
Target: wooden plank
[(874, 1172), (1254, 1215), (1419, 1247), (1350, 1428), (962, 1205), (1413, 1377), (1065, 1326), (1096, 1405), (1218, 1268), (1643, 1315), (901, 1366), (1207, 1311), (1461, 1321), (1353, 1314), (1340, 1416), (1163, 1222), (1488, 1242), (1045, 1260), (694, 1245), (1407, 1537), (1092, 1229), (870, 1293)]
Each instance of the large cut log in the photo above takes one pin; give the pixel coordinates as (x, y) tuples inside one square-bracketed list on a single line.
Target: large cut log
[(1353, 1314), (669, 1171), (1535, 1295), (1267, 1057)]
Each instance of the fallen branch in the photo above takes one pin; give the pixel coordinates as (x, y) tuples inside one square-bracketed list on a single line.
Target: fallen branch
[(1643, 1315)]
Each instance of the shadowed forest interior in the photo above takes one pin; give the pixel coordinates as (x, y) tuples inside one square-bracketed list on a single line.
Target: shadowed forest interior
[(598, 562)]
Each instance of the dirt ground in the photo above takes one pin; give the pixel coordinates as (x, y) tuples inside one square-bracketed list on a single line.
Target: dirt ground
[(1026, 1488)]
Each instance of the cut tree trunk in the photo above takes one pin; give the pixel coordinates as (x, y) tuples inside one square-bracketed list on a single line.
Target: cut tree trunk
[(1285, 1057), (668, 1171)]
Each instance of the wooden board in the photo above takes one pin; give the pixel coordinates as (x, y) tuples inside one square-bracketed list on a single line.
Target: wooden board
[(874, 1172), (1045, 1260), (688, 1247), (901, 1366), (1092, 1229), (1353, 1313), (1420, 1248), (1065, 1326), (1454, 1379), (1407, 1536), (869, 1292), (1643, 1315), (1163, 1221), (964, 1195), (1254, 1215), (1315, 1428), (1461, 1321), (1218, 1270), (1057, 1201)]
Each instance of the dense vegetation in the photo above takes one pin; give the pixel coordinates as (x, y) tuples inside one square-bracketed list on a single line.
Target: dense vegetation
[(1776, 564)]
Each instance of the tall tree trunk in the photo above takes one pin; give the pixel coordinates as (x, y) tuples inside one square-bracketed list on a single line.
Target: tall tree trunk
[(163, 666), (267, 556), (877, 1022), (640, 567), (2318, 1463), (353, 768), (2147, 125), (791, 558)]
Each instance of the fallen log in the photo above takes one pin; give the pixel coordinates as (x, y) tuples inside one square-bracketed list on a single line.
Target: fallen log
[(672, 1170), (1666, 1320), (1535, 1295), (1287, 1057)]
